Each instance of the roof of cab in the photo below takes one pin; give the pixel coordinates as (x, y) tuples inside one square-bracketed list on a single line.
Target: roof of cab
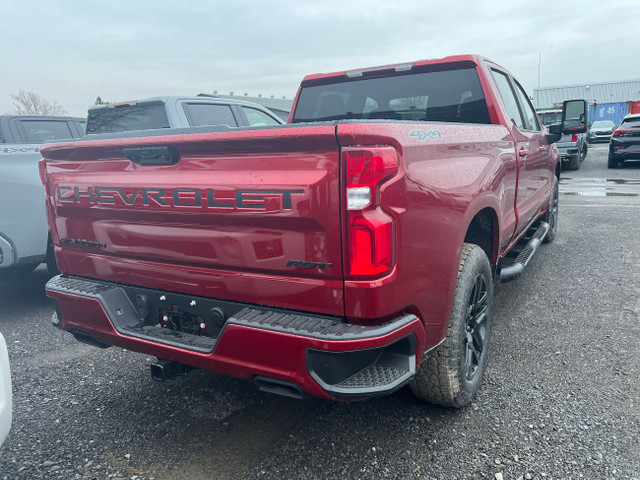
[(399, 67)]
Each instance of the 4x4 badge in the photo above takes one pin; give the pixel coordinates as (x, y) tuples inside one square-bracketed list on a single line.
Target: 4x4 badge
[(421, 135)]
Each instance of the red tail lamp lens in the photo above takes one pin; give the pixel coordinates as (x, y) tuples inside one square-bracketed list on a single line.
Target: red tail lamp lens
[(369, 228), (365, 168), (370, 242), (574, 138)]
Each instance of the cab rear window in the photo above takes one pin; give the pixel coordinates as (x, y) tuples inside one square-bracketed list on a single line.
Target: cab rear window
[(124, 118), (437, 96)]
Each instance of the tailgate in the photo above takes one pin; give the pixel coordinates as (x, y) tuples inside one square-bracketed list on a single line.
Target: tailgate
[(248, 215)]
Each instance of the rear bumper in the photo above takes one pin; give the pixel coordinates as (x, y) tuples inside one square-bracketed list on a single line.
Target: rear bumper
[(620, 151), (568, 156), (568, 151), (319, 355)]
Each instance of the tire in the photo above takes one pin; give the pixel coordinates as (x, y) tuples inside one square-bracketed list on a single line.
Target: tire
[(551, 217), (585, 150), (574, 163), (451, 375), (612, 162)]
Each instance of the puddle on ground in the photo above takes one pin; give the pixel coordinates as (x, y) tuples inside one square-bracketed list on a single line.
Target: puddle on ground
[(600, 187)]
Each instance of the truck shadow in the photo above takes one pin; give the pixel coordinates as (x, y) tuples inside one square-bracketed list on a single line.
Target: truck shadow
[(23, 292), (212, 426)]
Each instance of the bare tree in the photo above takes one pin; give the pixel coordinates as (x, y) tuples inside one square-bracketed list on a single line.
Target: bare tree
[(29, 103)]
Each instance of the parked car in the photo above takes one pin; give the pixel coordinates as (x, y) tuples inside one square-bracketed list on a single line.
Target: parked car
[(625, 141), (6, 402), (601, 131), (572, 147), (177, 112), (343, 256), (24, 234)]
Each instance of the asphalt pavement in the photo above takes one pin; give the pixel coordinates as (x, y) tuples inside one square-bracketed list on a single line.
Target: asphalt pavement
[(560, 399)]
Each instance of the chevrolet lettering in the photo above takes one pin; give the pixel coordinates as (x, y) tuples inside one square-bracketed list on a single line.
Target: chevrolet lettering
[(271, 199)]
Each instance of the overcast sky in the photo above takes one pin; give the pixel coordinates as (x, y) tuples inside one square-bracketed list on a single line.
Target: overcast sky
[(74, 51)]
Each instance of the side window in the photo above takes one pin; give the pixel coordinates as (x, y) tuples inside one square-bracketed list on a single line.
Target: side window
[(201, 114), (41, 131), (531, 119), (508, 98), (258, 118), (82, 127)]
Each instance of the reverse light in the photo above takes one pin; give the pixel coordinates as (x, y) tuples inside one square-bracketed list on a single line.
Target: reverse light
[(369, 228), (358, 197)]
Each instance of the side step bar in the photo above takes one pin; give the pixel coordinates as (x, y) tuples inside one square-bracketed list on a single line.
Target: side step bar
[(514, 270)]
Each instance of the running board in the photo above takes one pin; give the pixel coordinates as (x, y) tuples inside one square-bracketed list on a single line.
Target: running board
[(514, 270)]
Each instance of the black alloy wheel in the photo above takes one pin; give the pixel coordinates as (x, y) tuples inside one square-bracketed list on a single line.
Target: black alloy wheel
[(476, 337)]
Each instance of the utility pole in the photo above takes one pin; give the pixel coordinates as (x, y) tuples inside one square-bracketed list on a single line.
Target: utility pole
[(539, 66)]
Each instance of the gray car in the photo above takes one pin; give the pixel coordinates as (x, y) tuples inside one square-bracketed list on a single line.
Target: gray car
[(24, 232), (601, 131), (177, 112)]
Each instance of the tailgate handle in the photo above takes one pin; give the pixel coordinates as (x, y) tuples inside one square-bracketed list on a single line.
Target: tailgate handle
[(152, 155)]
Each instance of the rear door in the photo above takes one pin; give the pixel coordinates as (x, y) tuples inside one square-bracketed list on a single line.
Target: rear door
[(247, 215), (533, 152)]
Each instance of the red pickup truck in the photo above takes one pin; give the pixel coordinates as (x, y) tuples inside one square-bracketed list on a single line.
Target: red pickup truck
[(344, 255)]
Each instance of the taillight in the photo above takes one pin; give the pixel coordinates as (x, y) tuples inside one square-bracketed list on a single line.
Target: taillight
[(574, 138), (621, 130), (369, 227)]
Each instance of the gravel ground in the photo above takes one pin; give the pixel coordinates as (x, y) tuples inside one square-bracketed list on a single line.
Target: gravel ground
[(560, 398)]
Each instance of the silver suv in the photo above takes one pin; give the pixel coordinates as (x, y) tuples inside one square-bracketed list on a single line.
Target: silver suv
[(601, 131)]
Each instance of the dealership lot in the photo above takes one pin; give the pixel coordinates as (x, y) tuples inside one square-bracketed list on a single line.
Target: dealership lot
[(560, 399)]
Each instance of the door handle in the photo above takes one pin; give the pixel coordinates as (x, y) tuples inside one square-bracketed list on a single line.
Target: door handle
[(543, 148), (523, 152)]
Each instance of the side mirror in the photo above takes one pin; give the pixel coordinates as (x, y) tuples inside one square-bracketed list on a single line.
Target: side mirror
[(555, 133), (574, 116)]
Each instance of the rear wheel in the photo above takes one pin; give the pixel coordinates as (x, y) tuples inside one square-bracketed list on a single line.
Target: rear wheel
[(612, 162), (452, 374)]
